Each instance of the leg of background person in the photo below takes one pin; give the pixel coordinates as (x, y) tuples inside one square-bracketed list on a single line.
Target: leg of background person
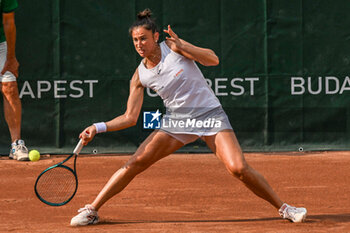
[(157, 146), (12, 108), (227, 149)]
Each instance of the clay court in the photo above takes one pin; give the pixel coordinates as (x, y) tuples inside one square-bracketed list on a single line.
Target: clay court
[(185, 193)]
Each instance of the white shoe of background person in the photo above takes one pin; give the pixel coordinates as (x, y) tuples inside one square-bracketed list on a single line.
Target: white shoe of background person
[(87, 215), (19, 151)]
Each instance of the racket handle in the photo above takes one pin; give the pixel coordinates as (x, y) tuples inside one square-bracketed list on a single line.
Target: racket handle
[(78, 147)]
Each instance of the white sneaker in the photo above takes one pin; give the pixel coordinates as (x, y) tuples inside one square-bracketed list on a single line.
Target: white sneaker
[(13, 150), (292, 213), (19, 151), (87, 215)]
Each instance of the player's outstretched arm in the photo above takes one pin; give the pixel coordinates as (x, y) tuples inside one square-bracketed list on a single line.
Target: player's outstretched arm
[(133, 108), (129, 118), (204, 56)]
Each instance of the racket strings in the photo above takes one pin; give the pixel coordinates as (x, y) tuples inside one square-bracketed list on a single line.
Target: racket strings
[(57, 185)]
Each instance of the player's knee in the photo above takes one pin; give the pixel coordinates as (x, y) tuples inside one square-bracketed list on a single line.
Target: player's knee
[(10, 90), (136, 166), (237, 169)]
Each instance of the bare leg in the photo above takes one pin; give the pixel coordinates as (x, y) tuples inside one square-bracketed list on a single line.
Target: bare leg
[(12, 108), (157, 146), (227, 149)]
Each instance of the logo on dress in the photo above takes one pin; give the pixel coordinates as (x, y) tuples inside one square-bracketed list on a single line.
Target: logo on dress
[(151, 120), (178, 73)]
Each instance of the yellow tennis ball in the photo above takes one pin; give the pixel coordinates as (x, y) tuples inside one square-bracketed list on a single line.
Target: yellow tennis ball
[(34, 155)]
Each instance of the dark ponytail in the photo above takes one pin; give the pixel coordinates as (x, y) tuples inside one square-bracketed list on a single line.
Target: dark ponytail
[(144, 19)]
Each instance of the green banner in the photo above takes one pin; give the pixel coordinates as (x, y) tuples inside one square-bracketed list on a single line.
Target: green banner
[(283, 77)]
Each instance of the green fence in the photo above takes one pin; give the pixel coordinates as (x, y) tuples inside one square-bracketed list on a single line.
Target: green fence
[(283, 77)]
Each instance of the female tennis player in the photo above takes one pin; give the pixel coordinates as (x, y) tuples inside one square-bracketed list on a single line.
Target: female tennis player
[(169, 68)]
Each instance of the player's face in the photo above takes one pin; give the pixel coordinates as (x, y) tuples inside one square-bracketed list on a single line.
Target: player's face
[(144, 41)]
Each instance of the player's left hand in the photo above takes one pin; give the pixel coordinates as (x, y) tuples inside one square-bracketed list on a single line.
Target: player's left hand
[(11, 65), (173, 38)]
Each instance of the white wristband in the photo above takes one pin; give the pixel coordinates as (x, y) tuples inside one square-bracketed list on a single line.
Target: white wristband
[(101, 127)]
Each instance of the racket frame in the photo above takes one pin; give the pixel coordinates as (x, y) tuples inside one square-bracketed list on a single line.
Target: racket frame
[(75, 153)]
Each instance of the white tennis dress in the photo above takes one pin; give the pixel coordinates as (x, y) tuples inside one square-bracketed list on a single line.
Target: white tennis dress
[(184, 91)]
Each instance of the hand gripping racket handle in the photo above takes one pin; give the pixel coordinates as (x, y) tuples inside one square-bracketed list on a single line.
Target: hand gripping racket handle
[(78, 148)]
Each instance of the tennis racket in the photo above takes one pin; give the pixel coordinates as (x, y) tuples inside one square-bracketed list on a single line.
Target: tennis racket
[(57, 185)]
